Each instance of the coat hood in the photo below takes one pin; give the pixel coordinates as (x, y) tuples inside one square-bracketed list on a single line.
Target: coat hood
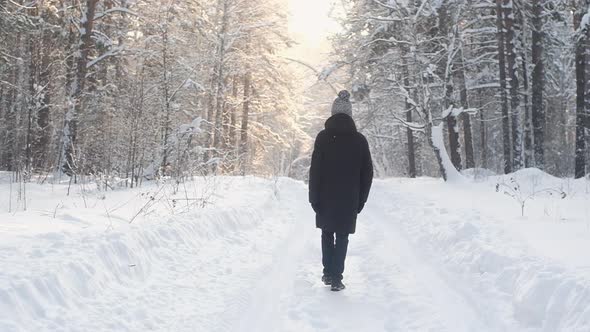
[(341, 124)]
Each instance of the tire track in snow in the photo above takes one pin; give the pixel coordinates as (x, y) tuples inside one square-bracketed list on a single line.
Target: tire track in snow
[(263, 304)]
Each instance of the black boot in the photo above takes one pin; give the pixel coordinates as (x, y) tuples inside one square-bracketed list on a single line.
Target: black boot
[(337, 285), (327, 280)]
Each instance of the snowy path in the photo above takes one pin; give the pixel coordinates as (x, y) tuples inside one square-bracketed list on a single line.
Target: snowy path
[(254, 265), (391, 285)]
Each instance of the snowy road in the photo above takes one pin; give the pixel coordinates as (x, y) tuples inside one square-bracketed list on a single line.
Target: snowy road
[(392, 284), (253, 264)]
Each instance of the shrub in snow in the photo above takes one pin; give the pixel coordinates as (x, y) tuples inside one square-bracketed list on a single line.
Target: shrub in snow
[(513, 189)]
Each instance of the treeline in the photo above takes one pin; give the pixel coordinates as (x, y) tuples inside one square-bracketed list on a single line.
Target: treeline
[(133, 89), (507, 81)]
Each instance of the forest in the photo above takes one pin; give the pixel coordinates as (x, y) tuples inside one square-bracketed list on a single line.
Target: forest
[(508, 80), (133, 90)]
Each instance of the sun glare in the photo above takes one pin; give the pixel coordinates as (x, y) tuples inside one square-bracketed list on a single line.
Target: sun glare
[(310, 24)]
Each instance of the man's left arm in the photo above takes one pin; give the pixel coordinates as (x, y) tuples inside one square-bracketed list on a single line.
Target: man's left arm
[(314, 176)]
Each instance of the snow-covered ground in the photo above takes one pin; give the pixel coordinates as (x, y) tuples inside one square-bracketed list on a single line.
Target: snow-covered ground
[(242, 254)]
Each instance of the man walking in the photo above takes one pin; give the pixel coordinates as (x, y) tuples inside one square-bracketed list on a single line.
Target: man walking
[(340, 178)]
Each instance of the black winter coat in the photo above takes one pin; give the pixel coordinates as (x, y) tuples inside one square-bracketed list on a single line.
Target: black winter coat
[(340, 176)]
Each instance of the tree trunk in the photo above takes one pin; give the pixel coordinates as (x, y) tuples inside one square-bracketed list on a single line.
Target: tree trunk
[(41, 142), (465, 117), (437, 150), (409, 132), (448, 31), (503, 93), (581, 41), (32, 101), (220, 91), (513, 73), (77, 88), (528, 126), (585, 121), (483, 136), (226, 119), (231, 127), (434, 135), (454, 144), (9, 137), (166, 95), (233, 118), (244, 129), (3, 124), (538, 113), (411, 152), (210, 118)]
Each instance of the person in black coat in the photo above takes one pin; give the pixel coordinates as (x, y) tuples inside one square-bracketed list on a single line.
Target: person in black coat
[(340, 179)]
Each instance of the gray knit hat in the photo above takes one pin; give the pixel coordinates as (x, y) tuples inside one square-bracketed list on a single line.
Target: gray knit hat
[(342, 104)]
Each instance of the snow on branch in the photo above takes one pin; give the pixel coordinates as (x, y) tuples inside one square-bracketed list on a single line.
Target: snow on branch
[(419, 11), (491, 85), (382, 19), (323, 75), (122, 10), (112, 52), (409, 99), (391, 40), (185, 83), (455, 112), (191, 128), (385, 5), (327, 71), (413, 126)]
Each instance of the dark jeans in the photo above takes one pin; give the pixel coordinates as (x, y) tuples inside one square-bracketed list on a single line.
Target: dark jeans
[(334, 253)]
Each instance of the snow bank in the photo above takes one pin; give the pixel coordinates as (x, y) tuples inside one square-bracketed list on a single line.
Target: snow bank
[(481, 239), (57, 270)]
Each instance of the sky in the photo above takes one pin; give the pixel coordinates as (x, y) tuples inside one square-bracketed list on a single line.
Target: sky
[(310, 25)]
